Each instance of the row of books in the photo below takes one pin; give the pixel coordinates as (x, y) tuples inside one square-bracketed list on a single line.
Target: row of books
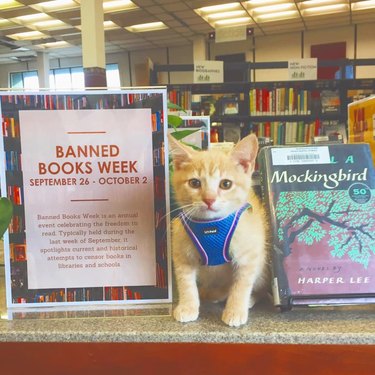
[(78, 295), (279, 98), (279, 101), (78, 101), (286, 132), (183, 98)]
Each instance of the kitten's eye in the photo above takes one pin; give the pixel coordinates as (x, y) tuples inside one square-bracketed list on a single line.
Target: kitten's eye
[(225, 184), (194, 183)]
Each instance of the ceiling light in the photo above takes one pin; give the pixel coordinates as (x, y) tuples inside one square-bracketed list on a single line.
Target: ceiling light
[(263, 2), (273, 8), (56, 5), (7, 4), (325, 9), (277, 15), (50, 24), (109, 25), (363, 5), (231, 14), (30, 35), (58, 44), (312, 3), (233, 21), (4, 22), (143, 27), (218, 8), (118, 5), (31, 18)]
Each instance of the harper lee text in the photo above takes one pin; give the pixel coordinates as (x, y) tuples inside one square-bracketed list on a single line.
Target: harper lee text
[(334, 280)]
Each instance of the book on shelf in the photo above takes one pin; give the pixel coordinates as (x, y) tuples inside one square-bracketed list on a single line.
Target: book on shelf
[(358, 94), (321, 204), (330, 101), (231, 132), (333, 130), (229, 106), (361, 122)]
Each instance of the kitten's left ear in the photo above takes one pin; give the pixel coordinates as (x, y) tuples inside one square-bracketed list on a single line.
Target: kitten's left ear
[(245, 152), (180, 153)]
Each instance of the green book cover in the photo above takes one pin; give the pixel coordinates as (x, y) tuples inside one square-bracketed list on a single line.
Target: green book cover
[(321, 205)]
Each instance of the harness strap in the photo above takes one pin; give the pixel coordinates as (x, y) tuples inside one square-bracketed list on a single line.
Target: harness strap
[(212, 237)]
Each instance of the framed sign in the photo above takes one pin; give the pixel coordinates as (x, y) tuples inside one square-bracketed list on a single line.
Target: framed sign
[(87, 175)]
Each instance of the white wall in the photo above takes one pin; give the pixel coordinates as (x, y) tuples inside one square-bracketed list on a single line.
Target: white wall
[(278, 47), (365, 49)]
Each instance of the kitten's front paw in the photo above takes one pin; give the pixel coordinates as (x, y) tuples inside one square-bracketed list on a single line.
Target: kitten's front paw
[(184, 313), (235, 317)]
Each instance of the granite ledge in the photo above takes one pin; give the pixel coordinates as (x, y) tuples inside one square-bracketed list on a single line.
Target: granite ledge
[(342, 326)]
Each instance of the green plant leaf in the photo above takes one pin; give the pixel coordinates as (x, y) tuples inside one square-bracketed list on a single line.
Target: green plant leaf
[(183, 133), (6, 212), (174, 121), (171, 105)]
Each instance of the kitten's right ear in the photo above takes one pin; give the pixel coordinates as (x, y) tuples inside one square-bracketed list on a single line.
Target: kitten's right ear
[(180, 153)]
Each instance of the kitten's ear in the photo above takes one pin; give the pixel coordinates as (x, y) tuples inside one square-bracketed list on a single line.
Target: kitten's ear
[(180, 153), (245, 152)]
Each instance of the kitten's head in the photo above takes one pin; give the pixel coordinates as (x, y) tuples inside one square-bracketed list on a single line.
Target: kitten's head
[(212, 184)]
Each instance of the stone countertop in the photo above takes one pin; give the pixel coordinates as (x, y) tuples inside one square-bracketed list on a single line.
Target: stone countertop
[(267, 325)]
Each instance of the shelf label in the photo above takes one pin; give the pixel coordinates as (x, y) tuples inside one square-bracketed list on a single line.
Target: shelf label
[(303, 69), (208, 71)]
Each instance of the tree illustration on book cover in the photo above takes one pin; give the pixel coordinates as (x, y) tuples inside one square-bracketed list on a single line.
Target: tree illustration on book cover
[(308, 217)]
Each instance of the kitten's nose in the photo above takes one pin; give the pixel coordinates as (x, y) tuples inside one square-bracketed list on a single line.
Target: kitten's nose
[(209, 201)]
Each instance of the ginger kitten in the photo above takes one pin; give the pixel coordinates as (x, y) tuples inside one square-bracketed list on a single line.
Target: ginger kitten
[(219, 239)]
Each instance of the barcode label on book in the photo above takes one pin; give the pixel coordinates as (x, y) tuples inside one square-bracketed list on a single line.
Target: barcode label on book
[(300, 155)]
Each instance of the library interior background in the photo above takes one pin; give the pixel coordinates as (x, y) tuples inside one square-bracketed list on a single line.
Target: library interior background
[(289, 70)]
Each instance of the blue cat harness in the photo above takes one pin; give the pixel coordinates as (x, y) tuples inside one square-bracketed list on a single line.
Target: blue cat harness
[(212, 237)]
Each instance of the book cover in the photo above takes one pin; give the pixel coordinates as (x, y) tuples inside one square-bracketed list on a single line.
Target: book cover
[(321, 203), (330, 101), (361, 122)]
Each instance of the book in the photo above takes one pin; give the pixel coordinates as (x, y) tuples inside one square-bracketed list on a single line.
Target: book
[(361, 122), (321, 204), (335, 130), (330, 101)]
